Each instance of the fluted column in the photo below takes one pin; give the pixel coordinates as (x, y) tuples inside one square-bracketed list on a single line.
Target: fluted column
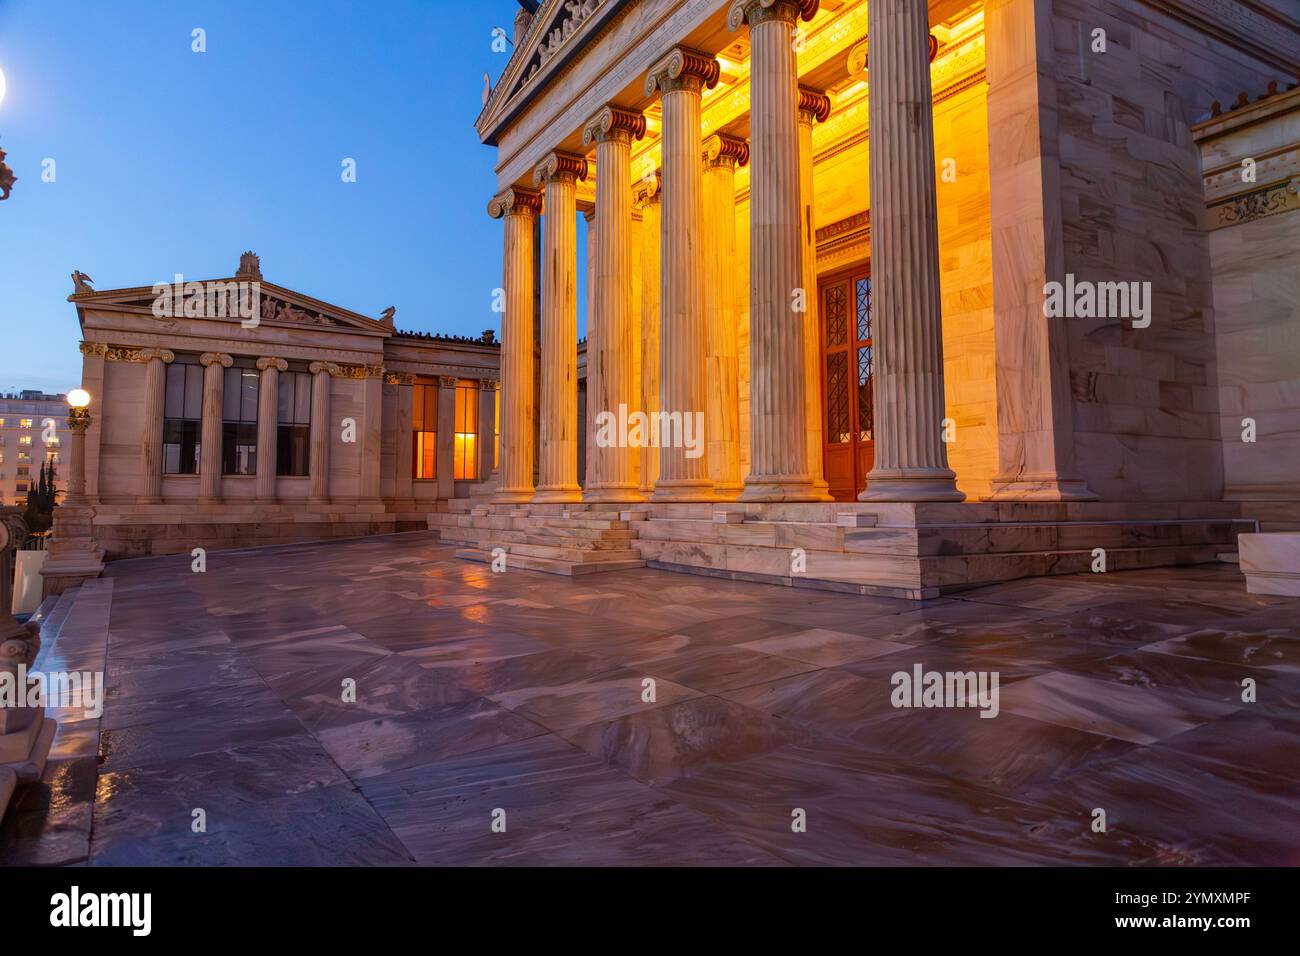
[(648, 199), (403, 384), (721, 155), (681, 76), (268, 421), (214, 384), (778, 437), (487, 414), (155, 399), (321, 430), (559, 436), (587, 462), (814, 107), (446, 450), (613, 467), (519, 208), (911, 458)]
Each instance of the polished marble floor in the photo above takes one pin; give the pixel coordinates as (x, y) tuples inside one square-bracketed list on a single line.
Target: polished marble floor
[(649, 718)]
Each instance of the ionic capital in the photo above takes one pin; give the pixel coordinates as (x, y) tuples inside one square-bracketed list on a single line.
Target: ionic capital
[(399, 378), (328, 368), (560, 166), (489, 384), (279, 364), (682, 68), (216, 358), (859, 54), (757, 11), (447, 381), (723, 150), (515, 202), (646, 189), (614, 123), (814, 105)]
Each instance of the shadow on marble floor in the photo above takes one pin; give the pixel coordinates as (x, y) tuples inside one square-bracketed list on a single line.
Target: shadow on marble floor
[(377, 701)]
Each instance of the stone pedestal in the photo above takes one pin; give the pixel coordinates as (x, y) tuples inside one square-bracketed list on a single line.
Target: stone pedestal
[(73, 555), (681, 76), (1271, 562), (911, 457), (25, 734)]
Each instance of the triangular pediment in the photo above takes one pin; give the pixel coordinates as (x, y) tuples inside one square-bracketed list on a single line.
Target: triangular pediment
[(274, 304), (559, 30)]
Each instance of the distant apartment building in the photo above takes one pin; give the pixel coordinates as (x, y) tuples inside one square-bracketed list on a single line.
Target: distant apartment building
[(33, 430)]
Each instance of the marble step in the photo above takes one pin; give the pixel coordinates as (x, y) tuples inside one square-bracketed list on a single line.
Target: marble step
[(580, 520), (550, 565), (559, 552), (618, 540)]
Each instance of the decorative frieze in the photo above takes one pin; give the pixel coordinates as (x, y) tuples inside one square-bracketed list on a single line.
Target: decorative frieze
[(399, 378), (1256, 204), (113, 353)]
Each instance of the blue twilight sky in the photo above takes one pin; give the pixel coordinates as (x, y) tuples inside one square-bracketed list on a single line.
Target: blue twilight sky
[(173, 161)]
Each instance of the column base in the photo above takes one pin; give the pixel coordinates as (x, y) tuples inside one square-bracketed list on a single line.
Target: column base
[(1039, 488), (210, 500), (514, 496), (922, 484), (682, 490), (558, 495), (148, 500), (728, 492), (779, 488), (612, 494)]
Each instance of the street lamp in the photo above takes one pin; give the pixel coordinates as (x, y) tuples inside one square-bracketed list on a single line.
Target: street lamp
[(78, 421)]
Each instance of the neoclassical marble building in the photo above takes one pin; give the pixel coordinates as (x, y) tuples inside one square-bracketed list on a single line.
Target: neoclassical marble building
[(840, 232), (308, 421)]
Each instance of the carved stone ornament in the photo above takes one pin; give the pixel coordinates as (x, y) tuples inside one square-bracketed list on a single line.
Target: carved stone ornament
[(560, 166), (723, 149), (682, 68), (814, 103), (515, 202), (755, 11), (614, 123)]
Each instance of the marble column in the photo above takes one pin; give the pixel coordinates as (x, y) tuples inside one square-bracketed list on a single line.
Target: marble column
[(777, 436), (587, 462), (214, 384), (613, 466), (648, 200), (487, 414), (911, 457), (681, 76), (721, 155), (559, 435), (814, 107), (446, 450), (519, 209), (151, 440), (370, 459), (268, 424), (321, 433)]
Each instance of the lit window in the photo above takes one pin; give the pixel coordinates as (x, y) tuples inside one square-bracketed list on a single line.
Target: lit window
[(24, 456), (466, 450), (24, 423), (293, 431), (239, 419), (182, 417), (49, 456), (24, 439), (424, 428)]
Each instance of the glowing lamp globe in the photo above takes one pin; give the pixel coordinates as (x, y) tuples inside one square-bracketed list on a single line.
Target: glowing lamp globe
[(78, 398)]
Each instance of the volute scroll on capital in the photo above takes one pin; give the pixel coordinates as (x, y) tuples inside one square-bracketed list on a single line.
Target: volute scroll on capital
[(813, 104), (682, 68), (721, 149), (270, 361), (216, 358), (515, 202), (646, 190), (489, 384), (860, 54), (756, 11), (613, 122), (560, 166), (317, 367)]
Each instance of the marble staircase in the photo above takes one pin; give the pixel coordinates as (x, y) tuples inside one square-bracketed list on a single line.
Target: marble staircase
[(916, 551)]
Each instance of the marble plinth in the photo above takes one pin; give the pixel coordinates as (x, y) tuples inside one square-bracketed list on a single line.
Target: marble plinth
[(1271, 563)]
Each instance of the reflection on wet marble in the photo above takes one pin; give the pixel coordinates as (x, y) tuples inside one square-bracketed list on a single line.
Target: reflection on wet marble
[(379, 701)]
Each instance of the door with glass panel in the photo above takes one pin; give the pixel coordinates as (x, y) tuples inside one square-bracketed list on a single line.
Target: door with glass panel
[(846, 382)]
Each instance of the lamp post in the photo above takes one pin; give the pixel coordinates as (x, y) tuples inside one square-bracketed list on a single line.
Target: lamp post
[(74, 558)]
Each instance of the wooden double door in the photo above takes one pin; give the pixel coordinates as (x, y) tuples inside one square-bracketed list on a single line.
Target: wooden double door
[(846, 381)]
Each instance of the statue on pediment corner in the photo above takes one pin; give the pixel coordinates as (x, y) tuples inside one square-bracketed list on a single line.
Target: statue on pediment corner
[(7, 177), (81, 283), (387, 315)]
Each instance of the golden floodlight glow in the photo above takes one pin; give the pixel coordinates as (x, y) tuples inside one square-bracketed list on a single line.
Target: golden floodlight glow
[(78, 398)]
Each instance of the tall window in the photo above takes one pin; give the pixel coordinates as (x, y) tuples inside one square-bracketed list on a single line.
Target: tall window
[(239, 419), (293, 434), (182, 417), (466, 450), (424, 426)]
